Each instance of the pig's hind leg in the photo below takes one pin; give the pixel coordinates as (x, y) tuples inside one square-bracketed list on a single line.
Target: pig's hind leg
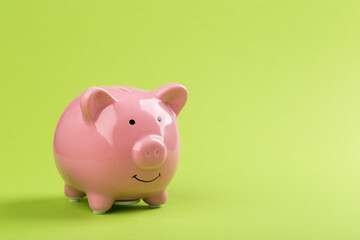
[(157, 200), (73, 194)]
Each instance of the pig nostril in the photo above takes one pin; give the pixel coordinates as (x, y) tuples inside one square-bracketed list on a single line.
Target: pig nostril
[(156, 152), (147, 153)]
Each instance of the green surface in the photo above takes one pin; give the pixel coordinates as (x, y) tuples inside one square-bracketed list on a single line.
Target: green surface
[(270, 134)]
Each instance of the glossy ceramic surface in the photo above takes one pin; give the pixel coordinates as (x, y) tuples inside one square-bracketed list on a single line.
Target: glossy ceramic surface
[(119, 144)]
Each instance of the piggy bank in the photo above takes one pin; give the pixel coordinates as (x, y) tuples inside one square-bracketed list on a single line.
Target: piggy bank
[(117, 145)]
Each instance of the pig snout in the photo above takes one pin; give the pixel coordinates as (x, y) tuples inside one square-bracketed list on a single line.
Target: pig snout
[(149, 152)]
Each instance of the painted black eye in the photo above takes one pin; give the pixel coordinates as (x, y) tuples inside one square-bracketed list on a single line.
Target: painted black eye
[(132, 122), (159, 119)]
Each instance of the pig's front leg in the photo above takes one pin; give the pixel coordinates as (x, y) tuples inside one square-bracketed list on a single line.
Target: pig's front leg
[(156, 201), (73, 194), (99, 203)]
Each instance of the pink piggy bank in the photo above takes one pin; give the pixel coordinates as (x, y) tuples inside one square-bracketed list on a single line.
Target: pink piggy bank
[(118, 145)]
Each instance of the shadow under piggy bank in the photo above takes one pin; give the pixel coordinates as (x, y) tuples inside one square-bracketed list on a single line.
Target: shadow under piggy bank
[(59, 208)]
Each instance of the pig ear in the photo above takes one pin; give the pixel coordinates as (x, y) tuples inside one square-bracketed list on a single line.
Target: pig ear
[(93, 101), (173, 94)]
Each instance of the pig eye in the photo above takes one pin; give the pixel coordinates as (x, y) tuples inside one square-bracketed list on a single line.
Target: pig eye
[(132, 122), (159, 119)]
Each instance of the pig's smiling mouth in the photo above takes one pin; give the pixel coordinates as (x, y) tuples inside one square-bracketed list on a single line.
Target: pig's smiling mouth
[(145, 181)]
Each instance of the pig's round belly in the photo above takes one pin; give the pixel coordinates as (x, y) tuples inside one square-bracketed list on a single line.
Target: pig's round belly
[(115, 179)]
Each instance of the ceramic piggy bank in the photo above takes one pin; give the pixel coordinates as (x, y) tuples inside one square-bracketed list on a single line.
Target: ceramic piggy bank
[(117, 145)]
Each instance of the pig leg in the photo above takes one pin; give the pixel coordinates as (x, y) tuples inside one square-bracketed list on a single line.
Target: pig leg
[(157, 200), (73, 194), (99, 203)]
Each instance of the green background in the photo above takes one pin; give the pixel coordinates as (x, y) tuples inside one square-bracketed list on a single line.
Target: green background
[(270, 134)]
